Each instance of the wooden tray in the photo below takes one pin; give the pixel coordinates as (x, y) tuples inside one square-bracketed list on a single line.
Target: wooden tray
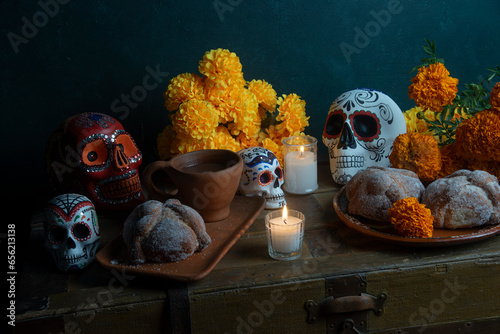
[(224, 234), (440, 237)]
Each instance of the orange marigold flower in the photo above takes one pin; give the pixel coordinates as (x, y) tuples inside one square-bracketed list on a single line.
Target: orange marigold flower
[(292, 111), (182, 88), (197, 118), (417, 152), (433, 87), (478, 138), (222, 68), (411, 218), (450, 161), (266, 95), (495, 97)]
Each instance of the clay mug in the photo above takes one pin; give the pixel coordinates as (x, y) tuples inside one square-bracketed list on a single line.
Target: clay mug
[(206, 180)]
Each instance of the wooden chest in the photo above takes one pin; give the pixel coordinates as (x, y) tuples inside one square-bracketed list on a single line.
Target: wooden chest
[(344, 282)]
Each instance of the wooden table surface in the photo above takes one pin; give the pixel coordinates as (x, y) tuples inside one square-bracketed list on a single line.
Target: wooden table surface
[(247, 276)]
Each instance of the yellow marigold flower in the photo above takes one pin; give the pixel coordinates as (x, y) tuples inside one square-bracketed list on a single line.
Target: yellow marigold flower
[(450, 161), (182, 88), (415, 124), (433, 87), (478, 138), (184, 143), (244, 110), (495, 97), (197, 118), (274, 132), (266, 95), (411, 218), (246, 141), (222, 68), (222, 139), (418, 153), (292, 111), (222, 99)]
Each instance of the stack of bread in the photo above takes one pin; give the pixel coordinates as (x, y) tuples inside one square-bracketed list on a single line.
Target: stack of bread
[(463, 199)]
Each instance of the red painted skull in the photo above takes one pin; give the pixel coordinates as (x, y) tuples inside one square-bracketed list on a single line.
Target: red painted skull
[(93, 155)]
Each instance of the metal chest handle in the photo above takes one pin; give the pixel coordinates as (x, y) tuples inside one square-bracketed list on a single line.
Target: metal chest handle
[(331, 305)]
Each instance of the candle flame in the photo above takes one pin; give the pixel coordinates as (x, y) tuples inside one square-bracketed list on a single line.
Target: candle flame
[(301, 150), (284, 215)]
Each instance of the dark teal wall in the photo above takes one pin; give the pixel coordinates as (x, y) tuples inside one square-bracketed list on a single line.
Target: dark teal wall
[(85, 54)]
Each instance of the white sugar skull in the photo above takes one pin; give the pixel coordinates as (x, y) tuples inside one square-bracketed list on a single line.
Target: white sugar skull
[(360, 130), (262, 176), (71, 231)]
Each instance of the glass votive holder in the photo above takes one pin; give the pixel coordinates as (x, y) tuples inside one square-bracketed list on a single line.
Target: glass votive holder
[(284, 237), (300, 164)]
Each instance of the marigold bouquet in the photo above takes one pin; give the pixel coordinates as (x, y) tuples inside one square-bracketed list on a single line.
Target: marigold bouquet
[(221, 110), (464, 125)]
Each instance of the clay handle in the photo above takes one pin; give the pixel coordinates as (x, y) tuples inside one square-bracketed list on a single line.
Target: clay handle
[(149, 185)]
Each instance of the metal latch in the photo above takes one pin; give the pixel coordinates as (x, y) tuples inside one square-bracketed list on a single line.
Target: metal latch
[(346, 305)]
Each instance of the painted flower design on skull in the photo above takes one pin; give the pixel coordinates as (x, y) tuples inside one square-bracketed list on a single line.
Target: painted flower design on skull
[(262, 176), (72, 232), (360, 130)]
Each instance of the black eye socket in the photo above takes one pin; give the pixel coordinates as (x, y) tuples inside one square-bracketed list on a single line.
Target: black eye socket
[(334, 124), (92, 156), (81, 231), (56, 235), (365, 125), (265, 178), (279, 172)]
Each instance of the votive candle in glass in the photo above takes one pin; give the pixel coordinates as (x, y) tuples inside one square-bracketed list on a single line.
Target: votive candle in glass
[(285, 233)]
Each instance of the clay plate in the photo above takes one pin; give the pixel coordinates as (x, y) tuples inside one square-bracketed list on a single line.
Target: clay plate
[(224, 234), (382, 231)]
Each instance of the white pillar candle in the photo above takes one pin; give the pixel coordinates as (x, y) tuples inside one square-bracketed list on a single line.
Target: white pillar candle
[(301, 172)]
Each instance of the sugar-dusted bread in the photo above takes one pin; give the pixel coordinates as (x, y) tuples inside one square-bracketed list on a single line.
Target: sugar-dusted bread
[(464, 199), (372, 192), (164, 232)]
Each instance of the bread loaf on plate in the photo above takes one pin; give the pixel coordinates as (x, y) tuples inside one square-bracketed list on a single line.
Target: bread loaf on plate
[(164, 232)]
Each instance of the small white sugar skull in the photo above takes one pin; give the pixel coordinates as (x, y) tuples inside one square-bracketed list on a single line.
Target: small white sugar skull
[(262, 176), (71, 231), (360, 130)]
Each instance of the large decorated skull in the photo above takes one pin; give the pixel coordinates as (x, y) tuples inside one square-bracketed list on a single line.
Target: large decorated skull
[(262, 176), (71, 231), (360, 130), (91, 154)]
